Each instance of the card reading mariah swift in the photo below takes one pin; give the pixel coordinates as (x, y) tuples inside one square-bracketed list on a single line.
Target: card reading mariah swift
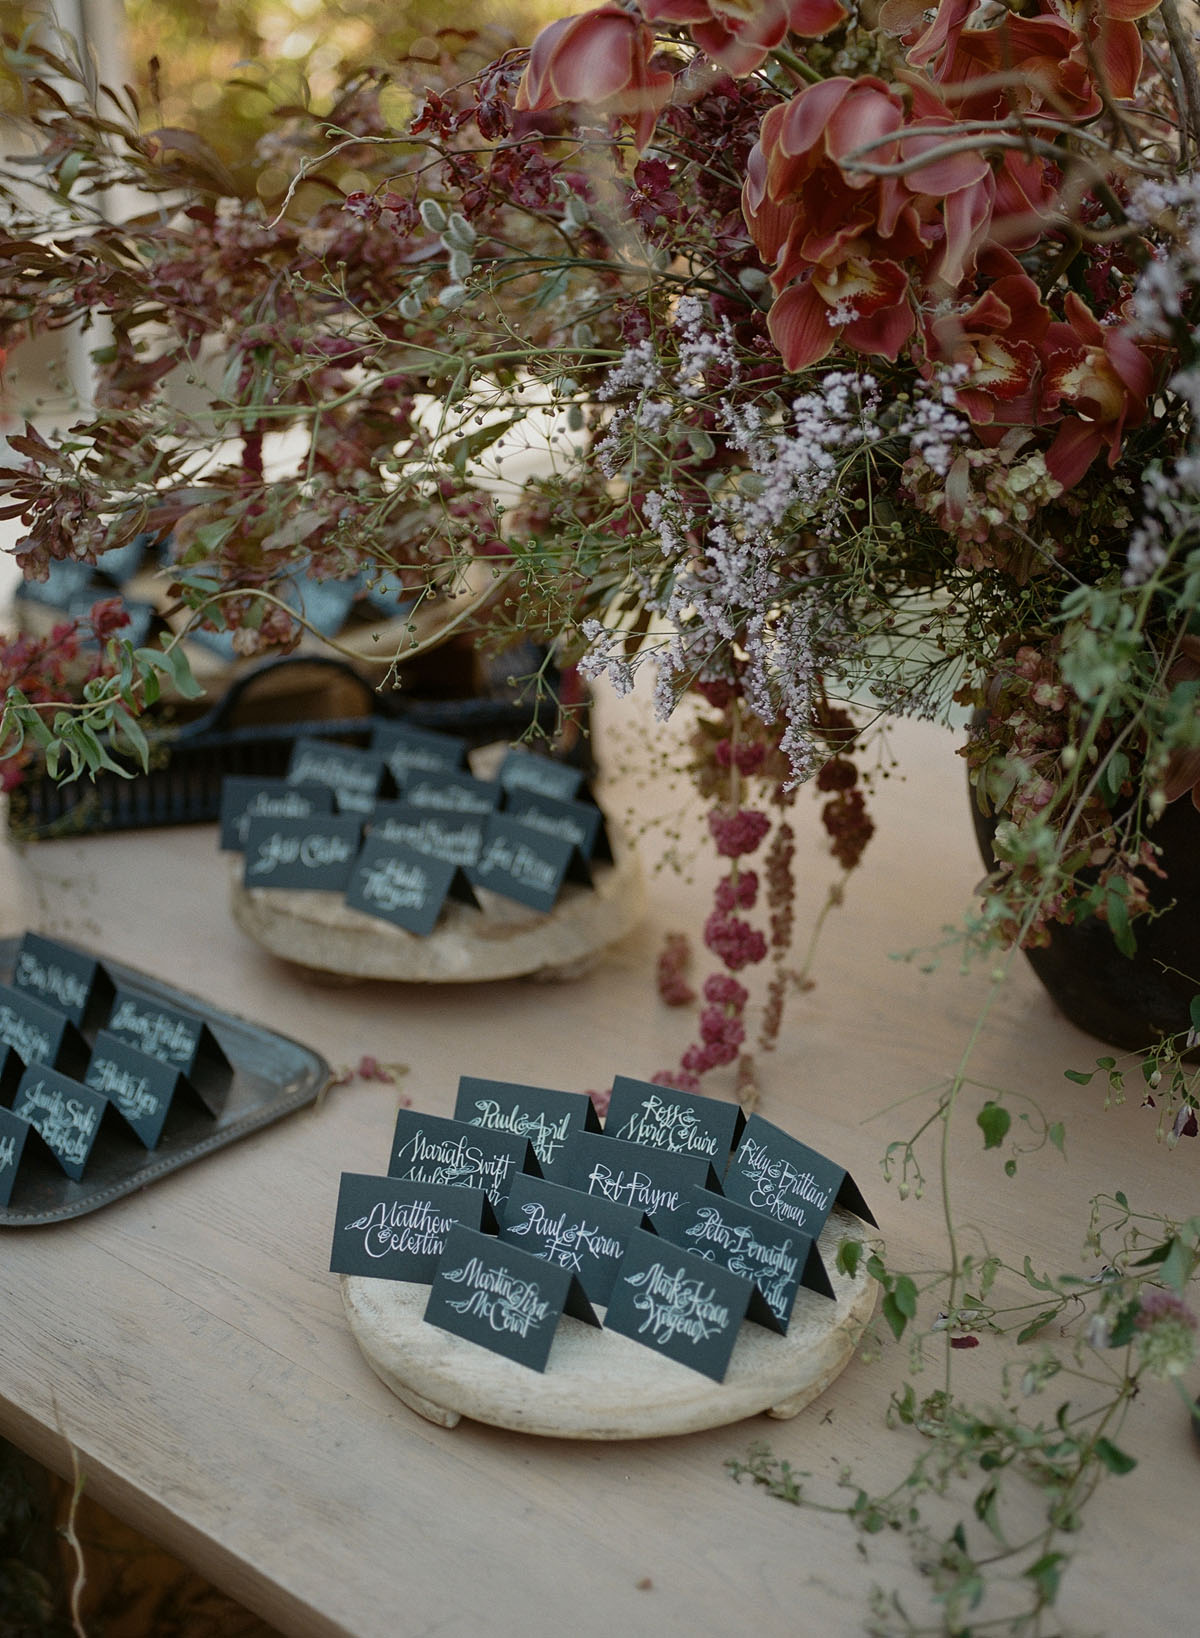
[(502, 1298), (678, 1304), (681, 1122), (583, 1233), (432, 1149), (546, 1117), (789, 1181), (388, 1230)]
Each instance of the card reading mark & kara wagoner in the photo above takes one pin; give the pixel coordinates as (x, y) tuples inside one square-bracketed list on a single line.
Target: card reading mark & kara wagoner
[(504, 1299), (408, 750), (40, 1034), (24, 1154), (179, 1038), (356, 777), (435, 1149), (778, 1258), (407, 888), (681, 1122), (581, 1232), (65, 979), (678, 1304), (653, 1180), (526, 771), (454, 837), (389, 1230), (580, 823), (68, 1115), (315, 854), (778, 1175), (523, 864), (547, 1118), (147, 1091), (244, 798)]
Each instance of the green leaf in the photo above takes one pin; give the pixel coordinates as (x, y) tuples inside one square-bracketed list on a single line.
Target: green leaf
[(1079, 1076), (1028, 1332), (894, 1315), (905, 1294), (174, 662), (1118, 921), (1039, 1283), (849, 1255), (129, 729), (1113, 1457), (1057, 1133), (1046, 1574), (1176, 1267), (993, 1121)]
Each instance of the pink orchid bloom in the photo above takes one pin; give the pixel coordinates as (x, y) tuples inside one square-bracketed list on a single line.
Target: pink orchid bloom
[(1096, 372), (739, 34), (998, 337), (601, 59), (863, 302)]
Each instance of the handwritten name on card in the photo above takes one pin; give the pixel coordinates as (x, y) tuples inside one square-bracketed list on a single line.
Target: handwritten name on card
[(356, 777), (524, 865), (545, 1116), (776, 1174), (679, 1305), (178, 1038), (141, 1088), (454, 838), (777, 1258), (62, 978), (679, 1122), (652, 1180), (403, 886), (315, 854), (585, 1234), (386, 1229), (65, 1113), (526, 771), (410, 751), (244, 799), (502, 1298), (451, 792), (38, 1033), (433, 1149)]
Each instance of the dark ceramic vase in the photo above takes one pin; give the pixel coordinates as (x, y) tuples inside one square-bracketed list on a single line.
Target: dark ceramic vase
[(1129, 1002)]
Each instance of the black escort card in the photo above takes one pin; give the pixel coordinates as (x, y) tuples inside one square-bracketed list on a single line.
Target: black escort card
[(522, 864), (178, 1038), (41, 1034), (453, 837), (315, 854), (526, 771), (408, 751), (356, 777), (67, 1114), (142, 1089), (652, 1180), (388, 1230), (789, 1181), (547, 1118), (583, 1233), (244, 799), (62, 978), (678, 1304), (24, 1152), (776, 1257), (451, 792), (400, 885), (434, 1149), (580, 823), (502, 1298), (681, 1122)]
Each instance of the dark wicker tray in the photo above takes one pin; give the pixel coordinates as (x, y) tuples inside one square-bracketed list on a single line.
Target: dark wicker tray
[(273, 1076)]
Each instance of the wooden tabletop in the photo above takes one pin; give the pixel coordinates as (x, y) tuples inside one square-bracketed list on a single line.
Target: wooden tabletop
[(189, 1343)]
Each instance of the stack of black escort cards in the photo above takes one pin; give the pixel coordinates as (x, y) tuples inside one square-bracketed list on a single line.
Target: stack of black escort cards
[(88, 1064), (403, 826), (680, 1219)]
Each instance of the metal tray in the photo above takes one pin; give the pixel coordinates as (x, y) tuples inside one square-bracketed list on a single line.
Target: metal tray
[(273, 1075)]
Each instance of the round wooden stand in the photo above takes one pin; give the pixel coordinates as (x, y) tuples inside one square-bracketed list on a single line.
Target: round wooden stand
[(599, 1385), (503, 939)]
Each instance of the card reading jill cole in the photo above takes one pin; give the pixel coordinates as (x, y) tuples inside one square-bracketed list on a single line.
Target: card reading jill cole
[(64, 979), (681, 1122), (547, 1118), (388, 1230), (502, 1298), (433, 1149), (678, 1305), (653, 1180), (178, 1038), (400, 885), (778, 1258), (583, 1233), (789, 1181)]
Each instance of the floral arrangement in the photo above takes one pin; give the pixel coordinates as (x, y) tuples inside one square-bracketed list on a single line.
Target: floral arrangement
[(844, 359)]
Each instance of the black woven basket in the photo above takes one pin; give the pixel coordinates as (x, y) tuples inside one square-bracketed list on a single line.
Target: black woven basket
[(251, 731)]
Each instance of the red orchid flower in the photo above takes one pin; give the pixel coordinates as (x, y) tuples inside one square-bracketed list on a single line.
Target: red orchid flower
[(1095, 371), (740, 36), (602, 59)]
